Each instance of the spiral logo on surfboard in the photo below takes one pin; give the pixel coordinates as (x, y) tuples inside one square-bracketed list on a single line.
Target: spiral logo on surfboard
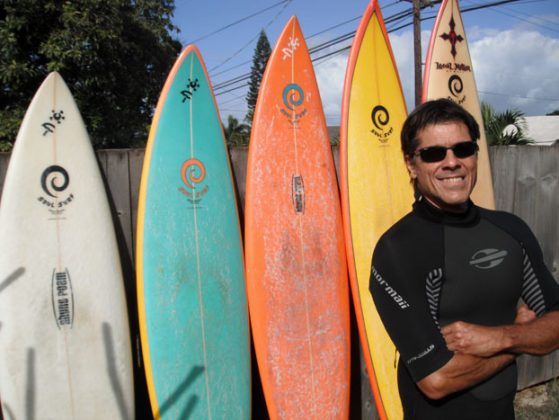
[(293, 98), (193, 173), (54, 183), (456, 87), (382, 129)]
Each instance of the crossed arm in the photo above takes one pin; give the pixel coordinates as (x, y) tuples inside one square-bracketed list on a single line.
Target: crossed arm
[(480, 351)]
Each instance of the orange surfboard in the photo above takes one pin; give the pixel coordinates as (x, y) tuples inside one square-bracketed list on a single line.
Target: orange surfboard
[(296, 269)]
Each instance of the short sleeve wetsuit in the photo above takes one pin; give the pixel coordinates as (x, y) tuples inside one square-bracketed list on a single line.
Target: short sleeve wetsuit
[(433, 268)]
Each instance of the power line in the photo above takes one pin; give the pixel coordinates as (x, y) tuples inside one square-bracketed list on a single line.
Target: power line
[(398, 17), (517, 16), (238, 21), (252, 40), (519, 96)]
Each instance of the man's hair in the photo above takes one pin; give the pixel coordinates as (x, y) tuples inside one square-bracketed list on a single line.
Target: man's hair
[(434, 112)]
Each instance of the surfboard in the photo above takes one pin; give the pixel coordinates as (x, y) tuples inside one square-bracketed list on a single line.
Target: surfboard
[(190, 276), (296, 269), (64, 336), (375, 187), (449, 74)]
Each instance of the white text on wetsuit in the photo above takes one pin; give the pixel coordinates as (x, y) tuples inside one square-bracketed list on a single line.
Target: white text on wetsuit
[(391, 292)]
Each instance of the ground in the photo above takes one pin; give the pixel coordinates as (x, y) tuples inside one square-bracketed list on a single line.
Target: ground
[(540, 402)]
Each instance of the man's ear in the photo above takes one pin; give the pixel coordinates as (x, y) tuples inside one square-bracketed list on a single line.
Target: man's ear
[(410, 164)]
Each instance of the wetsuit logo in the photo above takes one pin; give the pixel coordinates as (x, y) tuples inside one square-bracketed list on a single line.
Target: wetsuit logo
[(389, 290), (488, 258)]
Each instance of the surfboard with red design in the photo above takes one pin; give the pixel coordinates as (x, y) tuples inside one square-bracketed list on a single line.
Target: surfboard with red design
[(449, 74), (296, 269), (191, 292)]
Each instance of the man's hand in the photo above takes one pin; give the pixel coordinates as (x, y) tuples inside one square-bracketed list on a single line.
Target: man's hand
[(478, 340), (524, 315)]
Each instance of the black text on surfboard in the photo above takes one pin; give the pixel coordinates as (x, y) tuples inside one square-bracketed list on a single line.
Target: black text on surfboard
[(62, 299), (191, 87), (55, 119)]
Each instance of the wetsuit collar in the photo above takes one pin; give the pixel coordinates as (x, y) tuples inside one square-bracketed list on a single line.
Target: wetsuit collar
[(424, 209)]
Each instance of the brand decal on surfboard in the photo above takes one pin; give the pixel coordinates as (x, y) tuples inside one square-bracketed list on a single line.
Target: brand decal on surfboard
[(55, 119), (455, 87), (55, 180), (292, 45), (191, 87), (62, 299), (193, 172), (298, 194), (455, 83), (293, 97), (452, 37), (381, 119)]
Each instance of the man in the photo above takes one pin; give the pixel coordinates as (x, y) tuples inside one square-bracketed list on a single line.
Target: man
[(448, 277)]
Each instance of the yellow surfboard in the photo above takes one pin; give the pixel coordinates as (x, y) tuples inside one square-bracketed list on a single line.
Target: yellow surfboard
[(375, 187), (449, 74)]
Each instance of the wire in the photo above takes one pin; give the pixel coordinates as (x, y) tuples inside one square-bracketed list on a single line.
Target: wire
[(253, 39), (519, 96), (393, 19), (516, 16), (238, 21)]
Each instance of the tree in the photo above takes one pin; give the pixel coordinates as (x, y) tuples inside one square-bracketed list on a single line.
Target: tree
[(236, 134), (259, 60), (504, 128), (556, 112), (114, 56)]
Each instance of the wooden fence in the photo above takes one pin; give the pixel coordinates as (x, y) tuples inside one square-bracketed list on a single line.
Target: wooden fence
[(526, 180)]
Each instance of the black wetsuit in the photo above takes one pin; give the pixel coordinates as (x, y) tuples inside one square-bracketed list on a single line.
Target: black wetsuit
[(431, 269)]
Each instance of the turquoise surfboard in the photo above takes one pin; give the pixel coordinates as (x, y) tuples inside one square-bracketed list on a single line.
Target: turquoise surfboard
[(189, 258)]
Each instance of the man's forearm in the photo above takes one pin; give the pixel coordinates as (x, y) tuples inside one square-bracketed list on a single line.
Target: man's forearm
[(462, 372), (539, 336)]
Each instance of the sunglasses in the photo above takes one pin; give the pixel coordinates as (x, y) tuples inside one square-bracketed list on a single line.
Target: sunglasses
[(437, 153)]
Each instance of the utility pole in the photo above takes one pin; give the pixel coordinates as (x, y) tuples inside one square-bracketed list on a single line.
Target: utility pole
[(417, 50), (417, 5)]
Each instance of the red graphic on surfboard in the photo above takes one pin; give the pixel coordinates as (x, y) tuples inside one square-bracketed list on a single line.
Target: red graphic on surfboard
[(452, 37), (193, 173)]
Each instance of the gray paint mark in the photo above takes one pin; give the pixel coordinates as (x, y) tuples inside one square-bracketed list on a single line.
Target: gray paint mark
[(8, 412), (112, 371), (30, 386), (11, 278)]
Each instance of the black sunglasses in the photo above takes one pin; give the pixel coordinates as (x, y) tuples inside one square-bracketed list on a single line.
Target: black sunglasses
[(437, 153)]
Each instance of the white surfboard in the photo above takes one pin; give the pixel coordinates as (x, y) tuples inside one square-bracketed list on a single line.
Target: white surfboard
[(64, 336)]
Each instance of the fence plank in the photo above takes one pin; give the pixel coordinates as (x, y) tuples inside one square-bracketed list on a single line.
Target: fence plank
[(526, 183), (136, 160), (503, 168)]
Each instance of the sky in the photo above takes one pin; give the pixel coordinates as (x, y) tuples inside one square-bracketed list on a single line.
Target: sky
[(514, 46)]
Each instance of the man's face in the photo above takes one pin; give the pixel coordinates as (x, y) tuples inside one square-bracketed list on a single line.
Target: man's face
[(446, 184)]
